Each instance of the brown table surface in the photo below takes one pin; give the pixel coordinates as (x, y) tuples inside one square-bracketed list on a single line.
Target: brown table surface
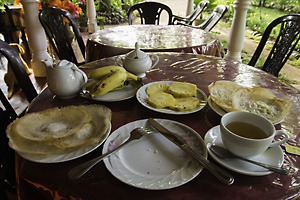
[(50, 181), (152, 38)]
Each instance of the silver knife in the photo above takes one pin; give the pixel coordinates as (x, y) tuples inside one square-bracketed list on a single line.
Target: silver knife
[(215, 170)]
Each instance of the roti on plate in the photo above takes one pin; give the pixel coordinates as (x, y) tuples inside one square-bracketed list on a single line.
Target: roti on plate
[(260, 101), (221, 93), (90, 128)]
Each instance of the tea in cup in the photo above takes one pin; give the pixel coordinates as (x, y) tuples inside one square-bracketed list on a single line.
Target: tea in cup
[(247, 134)]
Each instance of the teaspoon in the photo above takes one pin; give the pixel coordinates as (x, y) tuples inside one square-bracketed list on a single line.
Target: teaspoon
[(224, 153)]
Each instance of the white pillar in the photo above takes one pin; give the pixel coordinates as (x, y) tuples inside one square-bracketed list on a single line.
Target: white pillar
[(237, 31), (91, 13), (190, 7), (36, 37)]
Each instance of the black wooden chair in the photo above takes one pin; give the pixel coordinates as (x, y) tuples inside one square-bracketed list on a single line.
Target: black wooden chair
[(216, 15), (191, 18), (7, 115), (149, 12), (53, 21), (285, 43), (4, 28), (11, 28), (19, 70), (7, 155)]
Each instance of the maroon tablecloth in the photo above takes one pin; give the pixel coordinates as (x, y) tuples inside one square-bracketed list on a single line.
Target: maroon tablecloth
[(50, 181), (152, 38)]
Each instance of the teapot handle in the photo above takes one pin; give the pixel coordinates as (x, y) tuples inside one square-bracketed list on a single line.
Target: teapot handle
[(154, 58), (119, 60), (82, 73)]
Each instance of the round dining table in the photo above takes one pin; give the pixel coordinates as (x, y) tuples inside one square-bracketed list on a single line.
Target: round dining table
[(36, 180), (120, 40)]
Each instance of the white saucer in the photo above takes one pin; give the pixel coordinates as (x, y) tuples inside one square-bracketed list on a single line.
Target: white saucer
[(273, 156)]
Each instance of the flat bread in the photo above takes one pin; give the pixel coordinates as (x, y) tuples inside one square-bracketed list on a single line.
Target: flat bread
[(52, 123), (260, 101), (221, 93), (24, 145), (93, 130)]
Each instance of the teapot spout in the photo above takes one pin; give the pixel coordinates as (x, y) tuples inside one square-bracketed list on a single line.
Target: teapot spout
[(47, 63)]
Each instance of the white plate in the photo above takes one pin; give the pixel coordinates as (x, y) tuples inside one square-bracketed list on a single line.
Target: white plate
[(222, 112), (57, 158), (272, 156), (127, 92), (215, 107), (153, 162), (142, 97)]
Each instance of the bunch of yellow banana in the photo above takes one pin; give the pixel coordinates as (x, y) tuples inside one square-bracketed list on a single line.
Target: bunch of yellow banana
[(105, 79)]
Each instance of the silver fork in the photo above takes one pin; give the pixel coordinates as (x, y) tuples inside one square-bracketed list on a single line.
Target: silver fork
[(81, 169)]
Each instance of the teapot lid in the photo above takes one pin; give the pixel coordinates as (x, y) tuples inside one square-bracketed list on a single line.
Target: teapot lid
[(136, 53), (64, 64)]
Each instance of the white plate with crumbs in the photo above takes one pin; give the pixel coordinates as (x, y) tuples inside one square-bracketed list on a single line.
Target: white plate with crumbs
[(142, 97), (153, 162)]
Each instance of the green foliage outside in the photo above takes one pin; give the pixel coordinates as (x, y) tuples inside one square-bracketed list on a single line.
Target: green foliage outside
[(113, 11), (260, 13), (8, 2)]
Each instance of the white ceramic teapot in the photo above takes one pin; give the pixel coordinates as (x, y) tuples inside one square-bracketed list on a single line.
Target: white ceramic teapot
[(137, 61), (64, 78)]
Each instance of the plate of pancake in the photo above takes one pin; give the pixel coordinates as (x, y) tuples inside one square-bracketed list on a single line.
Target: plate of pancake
[(60, 134), (226, 96)]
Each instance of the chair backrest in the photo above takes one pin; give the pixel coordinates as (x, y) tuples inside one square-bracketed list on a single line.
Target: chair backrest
[(149, 12), (216, 15), (7, 158), (191, 18), (19, 70), (54, 22), (285, 43), (12, 28), (8, 114), (4, 29), (10, 17)]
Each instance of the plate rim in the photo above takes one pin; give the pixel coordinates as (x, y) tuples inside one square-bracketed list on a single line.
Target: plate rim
[(163, 110), (144, 121), (136, 86), (86, 149), (228, 166)]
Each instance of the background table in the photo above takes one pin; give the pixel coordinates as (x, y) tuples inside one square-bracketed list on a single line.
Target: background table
[(152, 38), (50, 181)]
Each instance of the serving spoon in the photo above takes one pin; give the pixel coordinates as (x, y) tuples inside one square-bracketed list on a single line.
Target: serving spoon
[(224, 153)]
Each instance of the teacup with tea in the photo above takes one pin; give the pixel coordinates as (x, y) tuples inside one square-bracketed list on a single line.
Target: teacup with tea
[(247, 134)]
